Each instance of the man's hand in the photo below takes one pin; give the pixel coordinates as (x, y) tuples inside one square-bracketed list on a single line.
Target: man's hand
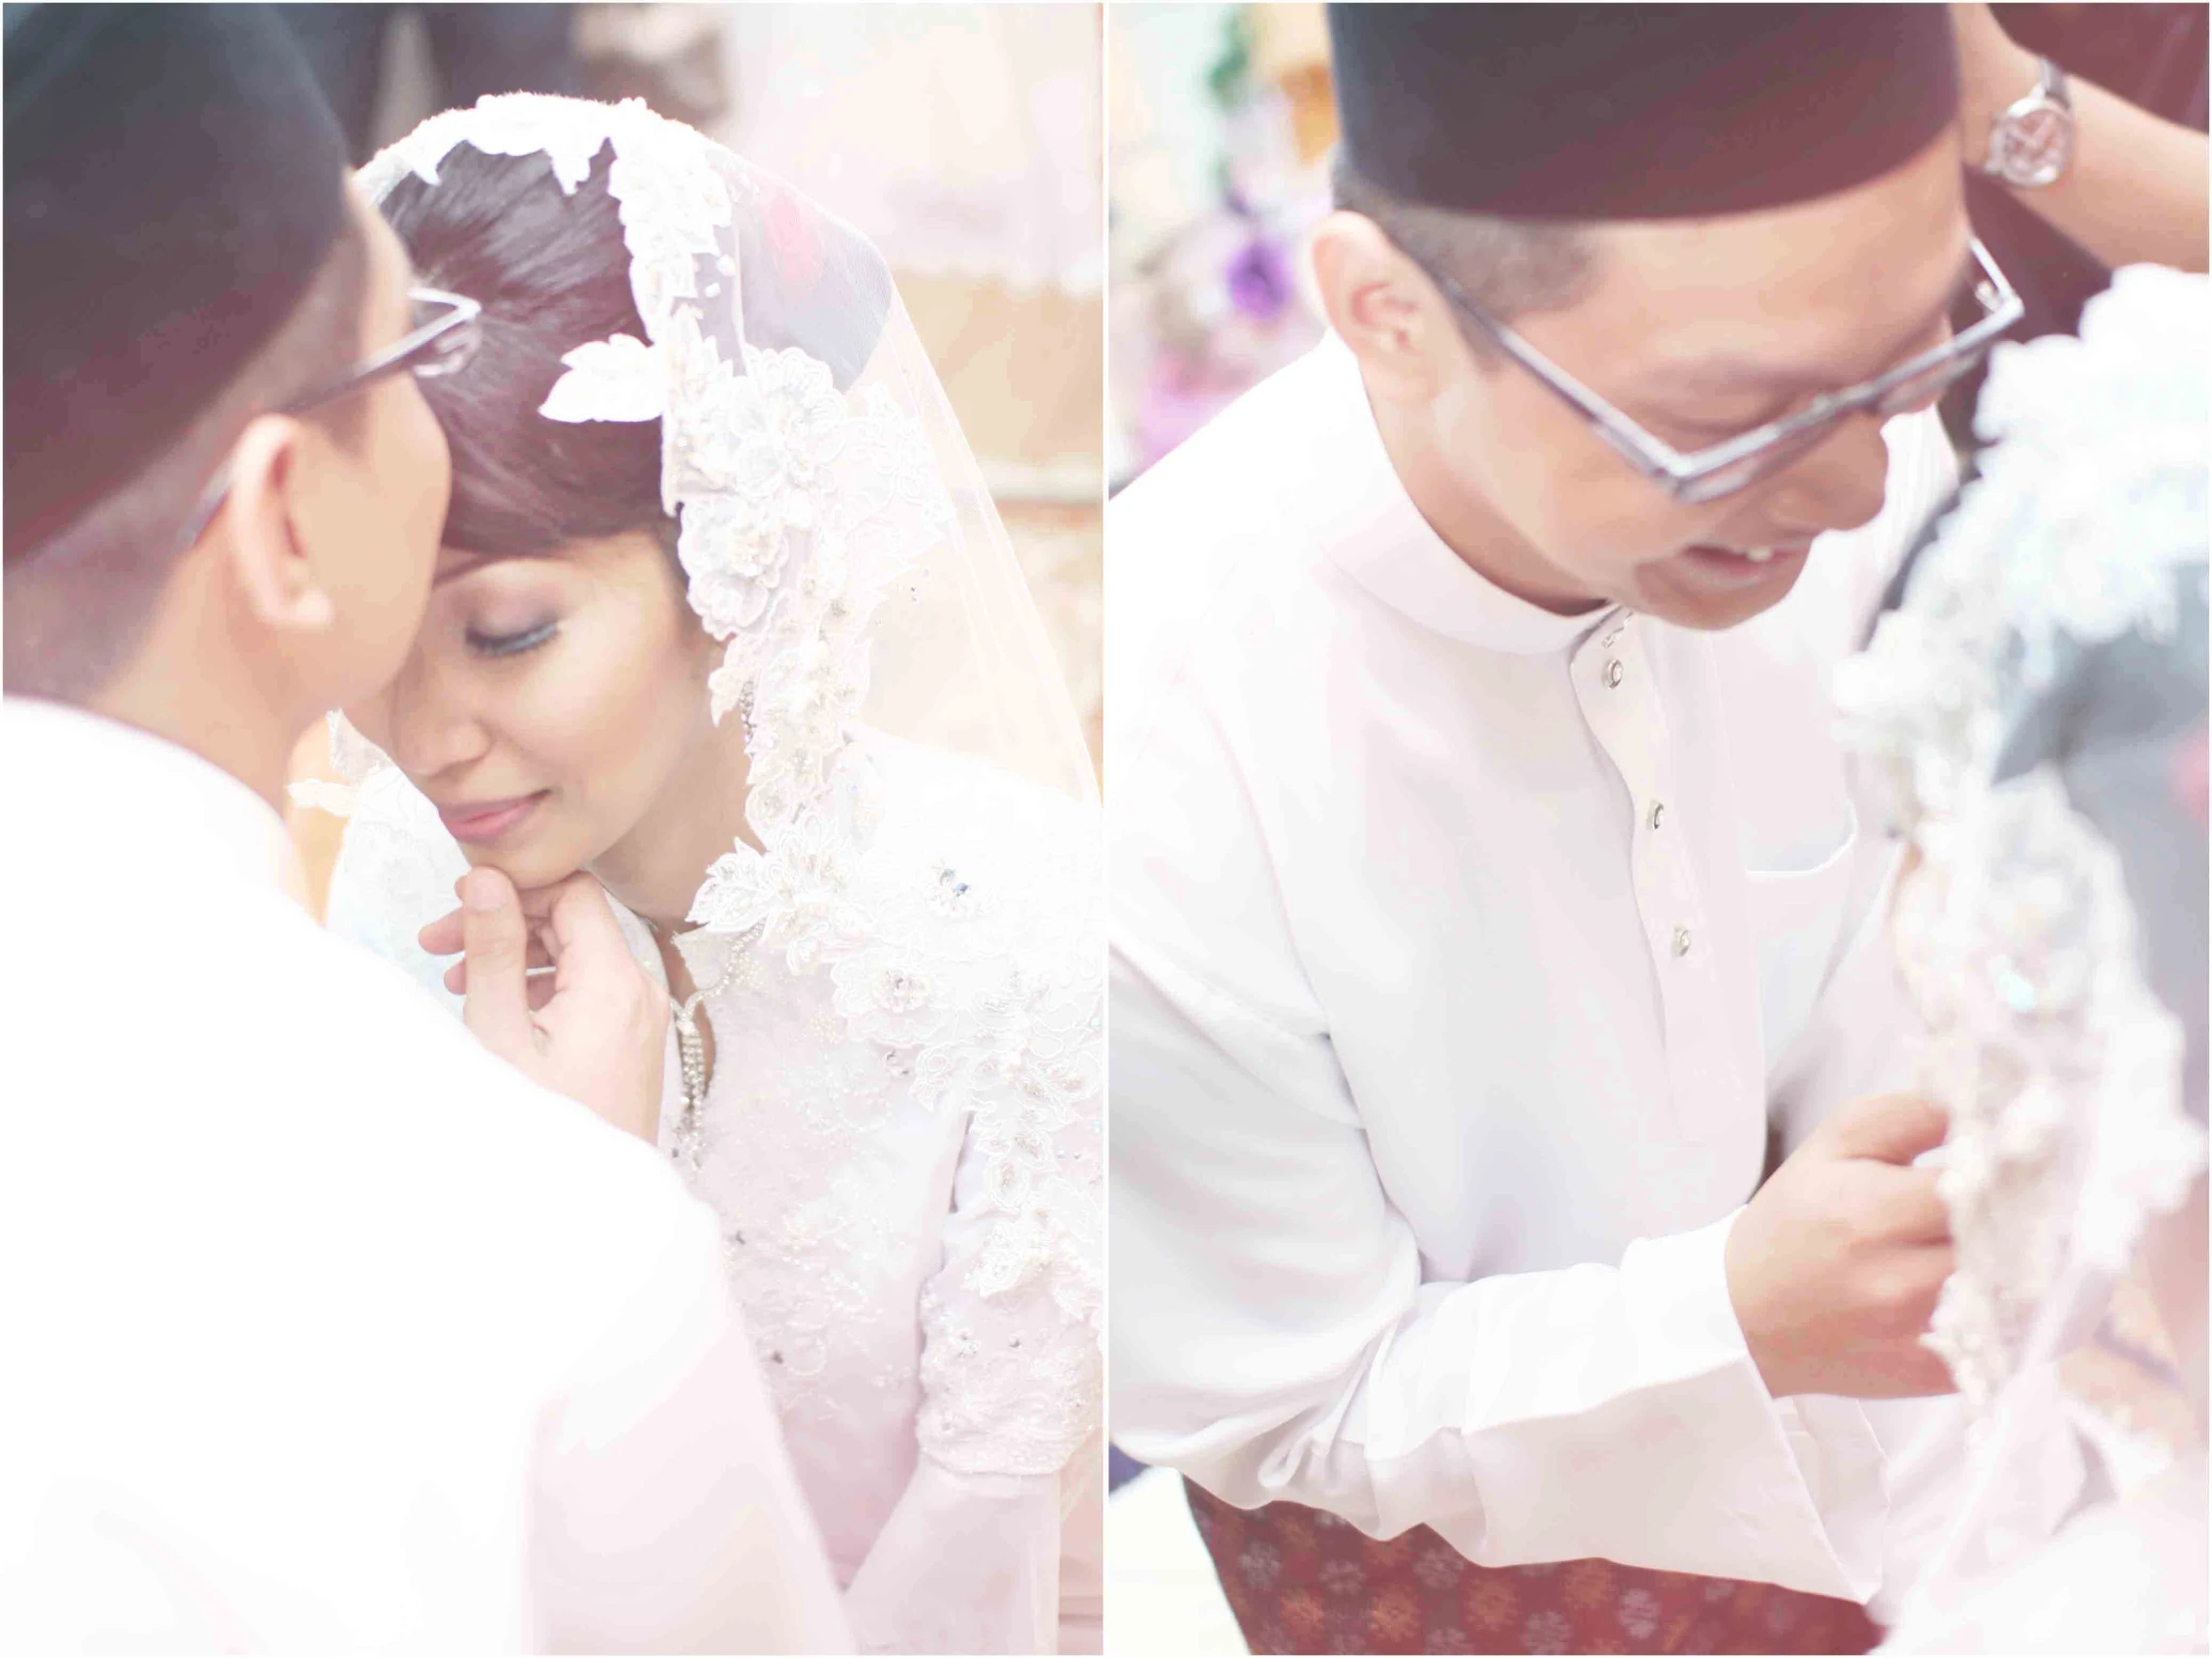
[(1835, 1265), (595, 1027)]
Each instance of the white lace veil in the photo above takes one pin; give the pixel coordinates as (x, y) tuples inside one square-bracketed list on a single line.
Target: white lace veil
[(835, 532), (2068, 585)]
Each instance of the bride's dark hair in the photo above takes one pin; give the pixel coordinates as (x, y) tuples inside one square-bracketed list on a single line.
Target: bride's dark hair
[(552, 272)]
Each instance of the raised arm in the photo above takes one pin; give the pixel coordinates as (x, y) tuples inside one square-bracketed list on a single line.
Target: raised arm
[(2139, 185)]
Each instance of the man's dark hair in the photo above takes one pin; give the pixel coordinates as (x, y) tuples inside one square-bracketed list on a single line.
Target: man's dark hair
[(1508, 266), (180, 257), (80, 600)]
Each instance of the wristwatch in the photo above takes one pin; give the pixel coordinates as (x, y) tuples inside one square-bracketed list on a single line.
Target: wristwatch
[(2032, 141)]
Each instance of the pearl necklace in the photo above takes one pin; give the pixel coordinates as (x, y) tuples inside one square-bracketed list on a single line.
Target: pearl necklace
[(692, 1054)]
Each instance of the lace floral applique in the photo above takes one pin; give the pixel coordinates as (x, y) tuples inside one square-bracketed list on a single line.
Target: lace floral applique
[(520, 125), (2015, 934), (967, 989), (2058, 1066)]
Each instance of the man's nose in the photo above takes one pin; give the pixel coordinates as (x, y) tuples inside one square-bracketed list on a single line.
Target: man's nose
[(1840, 483)]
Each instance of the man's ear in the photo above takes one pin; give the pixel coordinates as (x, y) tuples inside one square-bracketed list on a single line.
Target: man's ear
[(1382, 306), (265, 560)]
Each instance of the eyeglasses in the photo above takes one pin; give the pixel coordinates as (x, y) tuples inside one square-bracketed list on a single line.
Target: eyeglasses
[(442, 342), (1728, 467)]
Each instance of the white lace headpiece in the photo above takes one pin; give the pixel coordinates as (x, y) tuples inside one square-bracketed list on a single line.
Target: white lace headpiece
[(803, 506), (2015, 933)]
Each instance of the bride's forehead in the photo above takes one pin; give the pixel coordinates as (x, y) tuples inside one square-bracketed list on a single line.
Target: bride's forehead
[(458, 565), (594, 559)]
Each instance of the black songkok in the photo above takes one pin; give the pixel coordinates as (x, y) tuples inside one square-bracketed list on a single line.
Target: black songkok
[(1568, 112), (175, 181)]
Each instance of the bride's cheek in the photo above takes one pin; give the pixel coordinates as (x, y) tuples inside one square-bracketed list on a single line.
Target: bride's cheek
[(586, 703)]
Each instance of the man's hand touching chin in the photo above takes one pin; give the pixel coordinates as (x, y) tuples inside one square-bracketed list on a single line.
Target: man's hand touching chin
[(593, 1027)]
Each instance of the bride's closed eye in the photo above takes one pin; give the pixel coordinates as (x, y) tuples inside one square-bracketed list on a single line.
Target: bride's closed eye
[(485, 644)]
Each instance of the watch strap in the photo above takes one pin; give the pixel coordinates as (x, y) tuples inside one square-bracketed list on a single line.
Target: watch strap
[(2051, 81)]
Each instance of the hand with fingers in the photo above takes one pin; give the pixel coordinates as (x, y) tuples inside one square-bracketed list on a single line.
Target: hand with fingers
[(1835, 1264), (590, 1024)]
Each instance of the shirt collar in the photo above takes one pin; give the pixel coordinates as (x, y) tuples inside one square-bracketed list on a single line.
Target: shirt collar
[(97, 789), (1376, 535)]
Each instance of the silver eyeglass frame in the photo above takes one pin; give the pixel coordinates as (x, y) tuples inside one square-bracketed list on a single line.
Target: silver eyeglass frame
[(1691, 479), (440, 346)]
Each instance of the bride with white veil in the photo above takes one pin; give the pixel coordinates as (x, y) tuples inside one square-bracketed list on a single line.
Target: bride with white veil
[(2038, 708), (724, 616)]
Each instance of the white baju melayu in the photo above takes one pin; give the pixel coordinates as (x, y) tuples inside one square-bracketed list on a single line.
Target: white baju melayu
[(327, 1329), (1464, 955)]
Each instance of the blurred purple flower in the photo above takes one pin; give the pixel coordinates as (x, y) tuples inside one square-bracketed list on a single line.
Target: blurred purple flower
[(1259, 280)]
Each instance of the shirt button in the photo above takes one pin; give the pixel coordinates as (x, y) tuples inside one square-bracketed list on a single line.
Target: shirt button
[(1681, 941), (1658, 813), (1614, 672)]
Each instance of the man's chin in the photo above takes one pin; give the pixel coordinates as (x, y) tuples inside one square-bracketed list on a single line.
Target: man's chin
[(1693, 589)]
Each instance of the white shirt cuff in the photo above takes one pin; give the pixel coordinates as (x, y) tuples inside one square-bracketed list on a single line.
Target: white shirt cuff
[(1804, 1473)]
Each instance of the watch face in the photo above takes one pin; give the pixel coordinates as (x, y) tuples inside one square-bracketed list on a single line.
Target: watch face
[(2032, 147)]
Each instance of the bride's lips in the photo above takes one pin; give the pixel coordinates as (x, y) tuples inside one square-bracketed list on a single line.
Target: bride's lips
[(482, 822), (1726, 567)]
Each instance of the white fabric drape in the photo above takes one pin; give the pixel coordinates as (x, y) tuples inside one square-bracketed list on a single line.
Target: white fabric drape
[(326, 1330)]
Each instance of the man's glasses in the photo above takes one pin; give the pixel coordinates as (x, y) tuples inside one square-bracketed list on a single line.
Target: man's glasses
[(442, 342), (1727, 467)]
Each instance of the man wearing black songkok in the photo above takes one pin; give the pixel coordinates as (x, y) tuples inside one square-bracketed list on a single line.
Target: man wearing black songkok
[(296, 1360), (170, 277), (1491, 912)]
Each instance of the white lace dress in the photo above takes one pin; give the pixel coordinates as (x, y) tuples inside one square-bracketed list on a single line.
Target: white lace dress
[(902, 1140)]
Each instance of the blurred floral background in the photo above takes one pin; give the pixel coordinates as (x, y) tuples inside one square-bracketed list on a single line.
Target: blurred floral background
[(1220, 126)]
